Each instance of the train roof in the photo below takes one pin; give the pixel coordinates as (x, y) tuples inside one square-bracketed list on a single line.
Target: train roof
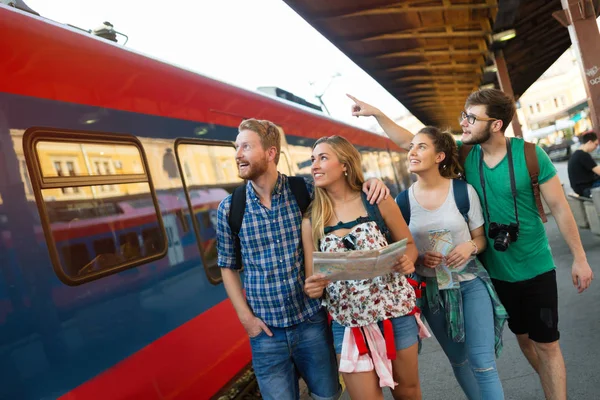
[(54, 61)]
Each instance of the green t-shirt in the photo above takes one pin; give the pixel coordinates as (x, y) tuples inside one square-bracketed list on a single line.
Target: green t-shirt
[(530, 255)]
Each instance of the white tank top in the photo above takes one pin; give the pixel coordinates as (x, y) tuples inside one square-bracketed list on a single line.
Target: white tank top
[(447, 216)]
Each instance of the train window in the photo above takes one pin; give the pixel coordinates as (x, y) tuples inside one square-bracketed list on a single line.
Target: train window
[(75, 257), (129, 246), (213, 176), (104, 246), (96, 201), (88, 159)]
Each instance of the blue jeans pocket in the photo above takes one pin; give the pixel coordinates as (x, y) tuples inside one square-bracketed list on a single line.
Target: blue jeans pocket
[(261, 333), (318, 317)]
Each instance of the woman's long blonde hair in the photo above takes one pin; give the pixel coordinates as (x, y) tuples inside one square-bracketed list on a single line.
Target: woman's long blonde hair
[(321, 208)]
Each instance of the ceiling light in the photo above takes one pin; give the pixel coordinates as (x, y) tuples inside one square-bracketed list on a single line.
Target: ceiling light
[(504, 35), (490, 68), (488, 86)]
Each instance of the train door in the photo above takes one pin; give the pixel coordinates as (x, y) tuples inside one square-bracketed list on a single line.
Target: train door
[(175, 250), (209, 174), (285, 166)]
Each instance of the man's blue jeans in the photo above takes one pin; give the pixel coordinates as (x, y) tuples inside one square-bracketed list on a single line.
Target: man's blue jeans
[(587, 192), (305, 349), (473, 361)]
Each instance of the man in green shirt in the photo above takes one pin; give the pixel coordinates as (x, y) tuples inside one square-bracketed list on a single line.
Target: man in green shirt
[(524, 272)]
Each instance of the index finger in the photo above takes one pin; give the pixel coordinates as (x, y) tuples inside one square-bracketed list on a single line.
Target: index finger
[(354, 99), (315, 277), (265, 328)]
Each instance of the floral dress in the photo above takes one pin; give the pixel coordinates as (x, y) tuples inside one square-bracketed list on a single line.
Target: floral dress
[(356, 303)]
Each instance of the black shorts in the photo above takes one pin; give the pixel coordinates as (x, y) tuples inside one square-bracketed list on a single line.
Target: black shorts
[(532, 306)]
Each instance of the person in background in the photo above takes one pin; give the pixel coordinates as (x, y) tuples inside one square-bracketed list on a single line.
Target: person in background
[(338, 221), (584, 173)]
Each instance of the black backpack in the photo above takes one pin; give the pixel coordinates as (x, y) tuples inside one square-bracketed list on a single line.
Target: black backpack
[(375, 215), (238, 208)]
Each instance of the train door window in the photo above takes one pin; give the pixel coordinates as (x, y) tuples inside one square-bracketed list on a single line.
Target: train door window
[(400, 164), (87, 187), (213, 176), (388, 175), (151, 239), (284, 164), (370, 165), (301, 157)]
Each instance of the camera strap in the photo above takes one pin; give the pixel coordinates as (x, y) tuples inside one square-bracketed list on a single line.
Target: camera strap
[(513, 185)]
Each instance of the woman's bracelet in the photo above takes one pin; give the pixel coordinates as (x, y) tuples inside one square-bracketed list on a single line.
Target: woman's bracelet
[(476, 249)]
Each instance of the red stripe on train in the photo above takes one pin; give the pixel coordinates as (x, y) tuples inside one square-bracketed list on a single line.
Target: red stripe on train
[(51, 62), (193, 361)]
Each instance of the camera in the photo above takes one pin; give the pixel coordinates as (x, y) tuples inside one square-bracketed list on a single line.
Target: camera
[(503, 235)]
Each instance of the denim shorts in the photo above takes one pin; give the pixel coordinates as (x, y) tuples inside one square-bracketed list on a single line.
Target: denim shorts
[(406, 332)]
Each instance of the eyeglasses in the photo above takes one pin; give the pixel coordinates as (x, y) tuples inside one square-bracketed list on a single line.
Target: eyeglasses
[(471, 119), (349, 241)]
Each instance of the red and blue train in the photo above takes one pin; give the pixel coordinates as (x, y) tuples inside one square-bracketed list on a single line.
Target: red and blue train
[(112, 167)]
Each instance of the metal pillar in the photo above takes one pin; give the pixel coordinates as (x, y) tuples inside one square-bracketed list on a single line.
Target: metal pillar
[(506, 87), (579, 17)]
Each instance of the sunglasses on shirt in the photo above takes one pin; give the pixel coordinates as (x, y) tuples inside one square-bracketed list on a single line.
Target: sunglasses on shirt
[(349, 241)]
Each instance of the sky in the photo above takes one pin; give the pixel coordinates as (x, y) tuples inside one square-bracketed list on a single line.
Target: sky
[(248, 43)]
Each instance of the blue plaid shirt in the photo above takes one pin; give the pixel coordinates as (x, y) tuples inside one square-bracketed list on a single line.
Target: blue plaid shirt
[(272, 255)]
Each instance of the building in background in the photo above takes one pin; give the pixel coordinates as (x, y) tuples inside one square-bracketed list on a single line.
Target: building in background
[(555, 107)]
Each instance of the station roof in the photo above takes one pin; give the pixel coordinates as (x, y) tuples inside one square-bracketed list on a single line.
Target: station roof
[(430, 54)]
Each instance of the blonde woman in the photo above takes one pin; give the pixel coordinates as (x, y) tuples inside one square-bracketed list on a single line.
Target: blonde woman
[(338, 221)]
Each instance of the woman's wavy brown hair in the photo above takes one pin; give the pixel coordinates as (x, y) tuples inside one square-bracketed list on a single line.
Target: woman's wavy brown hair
[(444, 143)]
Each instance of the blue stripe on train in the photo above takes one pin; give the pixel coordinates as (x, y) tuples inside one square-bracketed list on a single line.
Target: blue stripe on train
[(46, 350)]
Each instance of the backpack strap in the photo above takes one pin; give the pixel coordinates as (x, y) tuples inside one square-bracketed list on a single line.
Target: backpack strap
[(300, 192), (238, 208), (236, 216), (463, 152), (375, 215), (461, 197), (533, 167), (404, 204)]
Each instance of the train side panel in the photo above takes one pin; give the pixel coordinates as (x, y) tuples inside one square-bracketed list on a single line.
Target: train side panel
[(161, 329), (109, 286)]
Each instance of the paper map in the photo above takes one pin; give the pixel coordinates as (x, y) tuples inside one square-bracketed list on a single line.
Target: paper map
[(360, 264), (440, 241)]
